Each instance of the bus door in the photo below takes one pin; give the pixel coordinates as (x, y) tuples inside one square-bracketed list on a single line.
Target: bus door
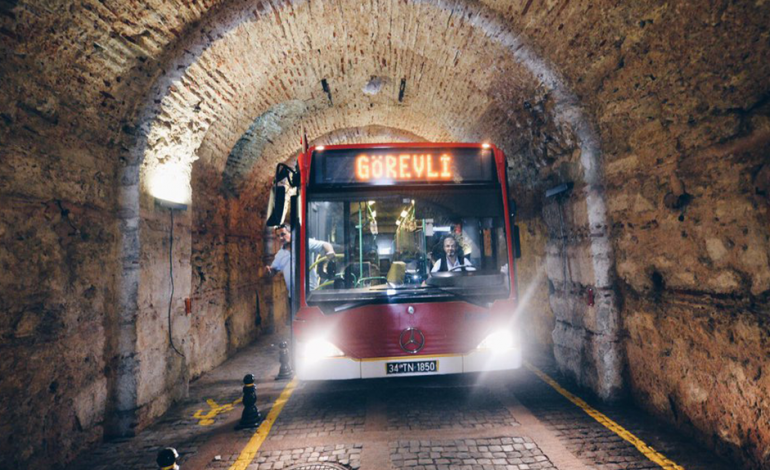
[(283, 201)]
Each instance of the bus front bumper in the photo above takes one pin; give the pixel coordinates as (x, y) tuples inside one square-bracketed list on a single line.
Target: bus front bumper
[(342, 368)]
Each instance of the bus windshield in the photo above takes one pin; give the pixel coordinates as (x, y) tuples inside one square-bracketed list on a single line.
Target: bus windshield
[(406, 244)]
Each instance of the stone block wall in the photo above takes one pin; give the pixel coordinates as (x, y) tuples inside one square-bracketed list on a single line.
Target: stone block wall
[(163, 373), (586, 343), (535, 319), (62, 344), (696, 306), (218, 265), (58, 237)]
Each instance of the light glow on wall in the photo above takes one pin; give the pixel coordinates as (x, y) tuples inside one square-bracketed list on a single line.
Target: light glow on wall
[(171, 182)]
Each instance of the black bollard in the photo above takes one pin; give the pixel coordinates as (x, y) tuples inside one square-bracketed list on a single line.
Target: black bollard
[(251, 417), (167, 459), (283, 356)]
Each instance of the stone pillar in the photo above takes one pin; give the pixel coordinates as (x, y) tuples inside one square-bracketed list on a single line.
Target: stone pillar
[(578, 257)]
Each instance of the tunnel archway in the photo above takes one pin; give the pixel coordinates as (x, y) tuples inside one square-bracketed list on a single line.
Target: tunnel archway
[(194, 112)]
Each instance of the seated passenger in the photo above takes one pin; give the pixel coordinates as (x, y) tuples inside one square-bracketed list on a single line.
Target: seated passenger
[(452, 259)]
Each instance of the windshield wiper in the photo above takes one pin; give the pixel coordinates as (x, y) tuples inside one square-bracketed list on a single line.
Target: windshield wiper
[(361, 303)]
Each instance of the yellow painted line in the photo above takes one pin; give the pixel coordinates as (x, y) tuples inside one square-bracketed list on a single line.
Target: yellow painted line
[(250, 451), (646, 450)]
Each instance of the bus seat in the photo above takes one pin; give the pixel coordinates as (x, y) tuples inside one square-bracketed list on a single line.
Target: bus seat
[(397, 272)]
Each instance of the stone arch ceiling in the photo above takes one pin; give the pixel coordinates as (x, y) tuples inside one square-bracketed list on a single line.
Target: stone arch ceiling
[(365, 135), (268, 138), (261, 65), (360, 135), (106, 59)]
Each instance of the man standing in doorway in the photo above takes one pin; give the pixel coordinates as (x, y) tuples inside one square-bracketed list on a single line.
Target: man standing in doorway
[(283, 261)]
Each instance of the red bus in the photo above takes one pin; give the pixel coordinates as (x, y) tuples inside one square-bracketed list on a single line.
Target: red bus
[(403, 260)]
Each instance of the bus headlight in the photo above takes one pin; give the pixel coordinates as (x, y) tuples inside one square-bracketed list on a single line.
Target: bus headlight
[(319, 348), (498, 341)]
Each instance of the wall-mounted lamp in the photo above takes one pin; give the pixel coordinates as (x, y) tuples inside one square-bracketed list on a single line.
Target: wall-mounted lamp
[(174, 206), (169, 184)]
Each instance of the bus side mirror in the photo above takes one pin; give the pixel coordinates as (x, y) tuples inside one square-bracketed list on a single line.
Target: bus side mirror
[(516, 242), (278, 205), (284, 172)]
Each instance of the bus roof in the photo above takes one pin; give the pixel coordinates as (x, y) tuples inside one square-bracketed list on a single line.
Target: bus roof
[(404, 145)]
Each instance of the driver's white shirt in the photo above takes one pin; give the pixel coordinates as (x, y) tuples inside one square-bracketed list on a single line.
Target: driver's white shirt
[(450, 265)]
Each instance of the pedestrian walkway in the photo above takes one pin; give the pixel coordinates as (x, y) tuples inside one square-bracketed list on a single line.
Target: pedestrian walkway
[(202, 426)]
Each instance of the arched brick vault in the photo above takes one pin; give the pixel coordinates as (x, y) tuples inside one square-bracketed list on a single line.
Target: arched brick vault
[(258, 142), (677, 92)]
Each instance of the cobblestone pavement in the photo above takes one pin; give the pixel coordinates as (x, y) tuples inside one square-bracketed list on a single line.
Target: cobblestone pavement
[(319, 415), (506, 452), (596, 445), (501, 421), (470, 409), (347, 455)]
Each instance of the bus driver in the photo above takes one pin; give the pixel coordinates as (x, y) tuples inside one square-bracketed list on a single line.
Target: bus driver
[(452, 259)]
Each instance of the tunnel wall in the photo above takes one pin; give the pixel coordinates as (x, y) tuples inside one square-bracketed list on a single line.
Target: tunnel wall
[(691, 235), (62, 344), (536, 320), (58, 257), (694, 248), (218, 264), (678, 95)]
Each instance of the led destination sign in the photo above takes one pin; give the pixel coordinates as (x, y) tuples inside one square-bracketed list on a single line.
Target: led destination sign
[(403, 166), (387, 166)]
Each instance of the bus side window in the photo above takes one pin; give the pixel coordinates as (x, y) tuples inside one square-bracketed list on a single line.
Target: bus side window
[(516, 242)]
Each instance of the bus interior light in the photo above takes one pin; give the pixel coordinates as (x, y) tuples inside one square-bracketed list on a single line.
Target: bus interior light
[(320, 147), (498, 341), (318, 348)]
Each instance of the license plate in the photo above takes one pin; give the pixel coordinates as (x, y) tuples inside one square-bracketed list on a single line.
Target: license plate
[(413, 367)]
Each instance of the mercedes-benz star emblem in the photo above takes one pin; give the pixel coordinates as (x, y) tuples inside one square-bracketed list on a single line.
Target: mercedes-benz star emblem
[(411, 340)]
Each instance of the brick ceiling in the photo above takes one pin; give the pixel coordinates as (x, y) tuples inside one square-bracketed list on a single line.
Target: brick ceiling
[(193, 77)]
